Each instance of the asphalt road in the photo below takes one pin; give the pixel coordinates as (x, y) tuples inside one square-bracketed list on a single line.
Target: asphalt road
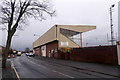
[(29, 67)]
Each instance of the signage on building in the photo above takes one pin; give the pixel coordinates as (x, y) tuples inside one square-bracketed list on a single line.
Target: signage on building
[(64, 43)]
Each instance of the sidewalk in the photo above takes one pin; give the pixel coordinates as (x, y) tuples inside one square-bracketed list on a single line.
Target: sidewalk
[(111, 70), (8, 73)]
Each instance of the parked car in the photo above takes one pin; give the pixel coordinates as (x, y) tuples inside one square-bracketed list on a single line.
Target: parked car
[(27, 54), (9, 56), (19, 54), (31, 54)]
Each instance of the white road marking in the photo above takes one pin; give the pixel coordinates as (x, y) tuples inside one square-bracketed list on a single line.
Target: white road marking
[(54, 70), (16, 73), (12, 65), (63, 74)]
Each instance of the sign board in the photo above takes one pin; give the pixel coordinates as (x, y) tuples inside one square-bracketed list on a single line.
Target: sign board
[(64, 43)]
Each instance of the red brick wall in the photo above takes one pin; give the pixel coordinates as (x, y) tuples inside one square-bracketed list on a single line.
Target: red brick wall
[(52, 46), (102, 54), (37, 51), (49, 46)]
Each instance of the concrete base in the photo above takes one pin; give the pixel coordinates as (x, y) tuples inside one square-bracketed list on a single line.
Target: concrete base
[(118, 52)]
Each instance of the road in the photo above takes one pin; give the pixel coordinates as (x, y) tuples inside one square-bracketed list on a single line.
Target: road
[(30, 67)]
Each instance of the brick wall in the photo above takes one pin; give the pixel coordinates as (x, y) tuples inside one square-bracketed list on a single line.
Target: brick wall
[(37, 51), (52, 47), (102, 54)]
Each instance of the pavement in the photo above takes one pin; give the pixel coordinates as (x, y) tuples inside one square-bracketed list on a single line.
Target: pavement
[(111, 70), (8, 73)]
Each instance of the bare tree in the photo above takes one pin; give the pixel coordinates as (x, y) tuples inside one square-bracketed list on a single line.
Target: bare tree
[(15, 13), (27, 49)]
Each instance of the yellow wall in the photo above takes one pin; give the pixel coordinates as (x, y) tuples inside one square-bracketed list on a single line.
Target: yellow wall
[(49, 36), (65, 42), (54, 34)]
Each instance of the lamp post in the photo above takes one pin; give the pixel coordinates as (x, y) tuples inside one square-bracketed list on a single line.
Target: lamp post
[(17, 43), (35, 35), (111, 24), (86, 44)]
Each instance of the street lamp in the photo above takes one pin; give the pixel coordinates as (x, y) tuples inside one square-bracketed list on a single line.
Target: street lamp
[(86, 44), (35, 35), (111, 24), (17, 46)]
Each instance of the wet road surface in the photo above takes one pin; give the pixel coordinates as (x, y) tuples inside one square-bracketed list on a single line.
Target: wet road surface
[(30, 67)]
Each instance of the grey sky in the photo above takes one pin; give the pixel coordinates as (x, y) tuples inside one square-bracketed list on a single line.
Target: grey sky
[(71, 12)]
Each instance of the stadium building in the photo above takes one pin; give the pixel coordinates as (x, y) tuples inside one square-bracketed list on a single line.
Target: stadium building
[(60, 38)]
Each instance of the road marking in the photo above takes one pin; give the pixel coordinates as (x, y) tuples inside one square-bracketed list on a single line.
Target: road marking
[(15, 70), (62, 74), (16, 73), (53, 70)]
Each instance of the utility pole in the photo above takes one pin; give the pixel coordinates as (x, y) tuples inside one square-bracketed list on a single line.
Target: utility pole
[(111, 24)]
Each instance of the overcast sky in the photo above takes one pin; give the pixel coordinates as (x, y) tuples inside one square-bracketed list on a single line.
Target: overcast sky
[(71, 12)]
